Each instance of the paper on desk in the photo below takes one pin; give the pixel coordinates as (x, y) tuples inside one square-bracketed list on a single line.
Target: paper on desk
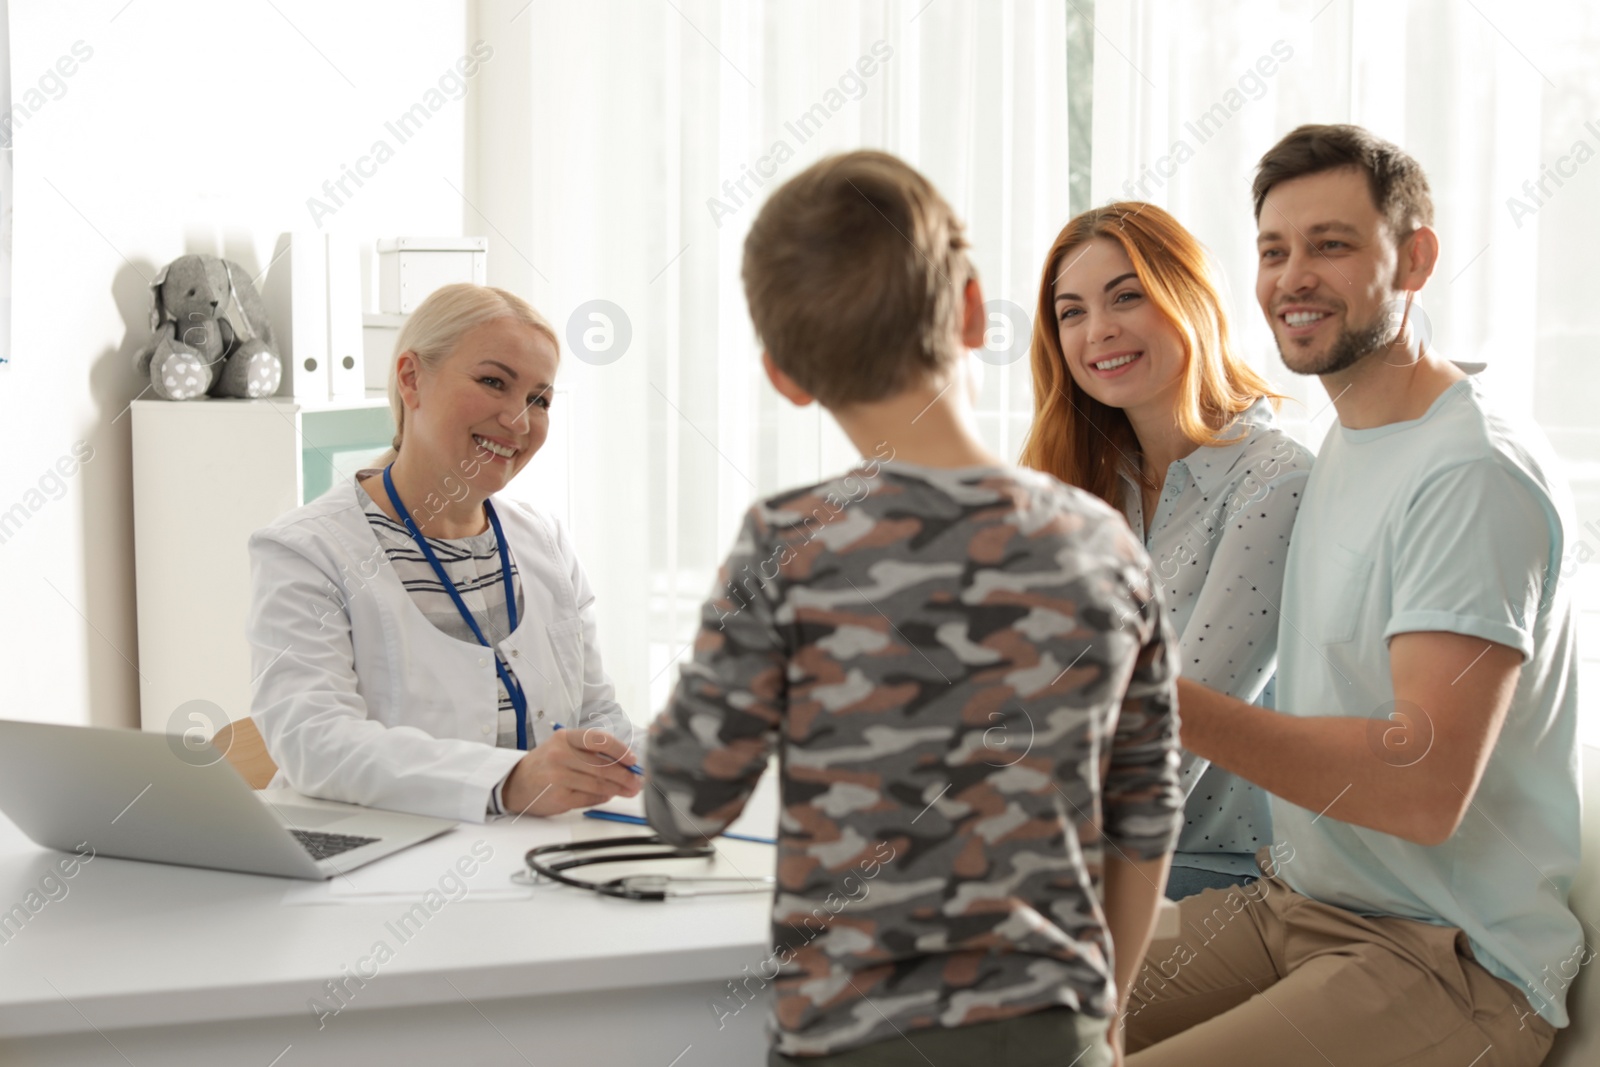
[(473, 862), (432, 865), (409, 876)]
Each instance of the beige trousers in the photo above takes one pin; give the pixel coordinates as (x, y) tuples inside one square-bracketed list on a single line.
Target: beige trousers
[(1263, 975)]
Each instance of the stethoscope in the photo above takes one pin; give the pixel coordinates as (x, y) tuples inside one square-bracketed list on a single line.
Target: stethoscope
[(550, 862), (651, 847)]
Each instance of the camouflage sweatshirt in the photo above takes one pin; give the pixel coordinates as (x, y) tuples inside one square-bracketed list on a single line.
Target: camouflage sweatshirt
[(970, 687)]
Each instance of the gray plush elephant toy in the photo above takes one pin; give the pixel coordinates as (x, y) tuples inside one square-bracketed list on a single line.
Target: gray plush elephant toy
[(211, 334)]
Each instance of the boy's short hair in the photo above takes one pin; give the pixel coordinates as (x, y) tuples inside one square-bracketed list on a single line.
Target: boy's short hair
[(855, 272), (1398, 185)]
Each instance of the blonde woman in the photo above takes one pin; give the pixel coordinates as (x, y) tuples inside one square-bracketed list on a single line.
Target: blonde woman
[(418, 641)]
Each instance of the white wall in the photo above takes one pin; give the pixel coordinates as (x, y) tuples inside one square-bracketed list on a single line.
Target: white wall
[(159, 144)]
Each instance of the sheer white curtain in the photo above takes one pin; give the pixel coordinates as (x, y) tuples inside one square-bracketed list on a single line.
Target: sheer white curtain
[(621, 151), (1491, 96)]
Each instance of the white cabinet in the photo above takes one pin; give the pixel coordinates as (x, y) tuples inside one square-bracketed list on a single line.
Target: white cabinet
[(207, 473)]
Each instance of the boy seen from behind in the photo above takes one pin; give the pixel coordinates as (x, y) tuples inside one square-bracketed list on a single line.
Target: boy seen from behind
[(962, 666)]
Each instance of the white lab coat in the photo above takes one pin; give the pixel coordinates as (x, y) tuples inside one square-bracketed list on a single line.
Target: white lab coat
[(361, 699)]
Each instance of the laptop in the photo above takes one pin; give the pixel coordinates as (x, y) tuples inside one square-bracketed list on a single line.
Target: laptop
[(152, 796)]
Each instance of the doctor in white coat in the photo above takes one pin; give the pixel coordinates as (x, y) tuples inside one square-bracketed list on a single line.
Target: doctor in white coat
[(419, 643)]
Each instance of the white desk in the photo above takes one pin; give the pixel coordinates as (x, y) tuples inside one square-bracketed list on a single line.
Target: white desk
[(150, 964), (147, 964)]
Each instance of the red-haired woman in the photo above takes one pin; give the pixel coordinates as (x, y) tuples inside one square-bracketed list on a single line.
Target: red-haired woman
[(1140, 399)]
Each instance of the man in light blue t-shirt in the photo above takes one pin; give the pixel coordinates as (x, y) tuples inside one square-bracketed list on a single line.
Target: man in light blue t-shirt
[(1424, 765)]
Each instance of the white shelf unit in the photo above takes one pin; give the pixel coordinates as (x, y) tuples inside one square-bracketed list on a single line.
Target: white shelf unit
[(207, 473)]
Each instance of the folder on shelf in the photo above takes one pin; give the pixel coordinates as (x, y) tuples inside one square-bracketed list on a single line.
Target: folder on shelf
[(346, 358), (296, 295)]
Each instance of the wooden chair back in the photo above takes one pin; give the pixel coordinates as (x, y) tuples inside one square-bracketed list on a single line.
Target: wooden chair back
[(241, 743)]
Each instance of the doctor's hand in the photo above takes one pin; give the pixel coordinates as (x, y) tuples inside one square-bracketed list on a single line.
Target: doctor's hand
[(573, 769)]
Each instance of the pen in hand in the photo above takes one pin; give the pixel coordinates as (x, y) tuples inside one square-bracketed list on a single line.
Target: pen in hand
[(634, 767)]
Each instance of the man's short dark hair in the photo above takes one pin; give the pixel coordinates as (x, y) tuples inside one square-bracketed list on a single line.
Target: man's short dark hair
[(1398, 186)]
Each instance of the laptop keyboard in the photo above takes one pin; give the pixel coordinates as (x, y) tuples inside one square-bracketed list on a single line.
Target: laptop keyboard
[(322, 845)]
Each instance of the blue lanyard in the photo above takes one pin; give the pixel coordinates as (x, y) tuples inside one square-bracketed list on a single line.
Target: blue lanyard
[(519, 699)]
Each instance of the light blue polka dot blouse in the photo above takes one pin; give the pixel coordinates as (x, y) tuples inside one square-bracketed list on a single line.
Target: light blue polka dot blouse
[(1218, 542)]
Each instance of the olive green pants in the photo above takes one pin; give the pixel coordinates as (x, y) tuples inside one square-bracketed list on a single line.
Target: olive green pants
[(1054, 1037)]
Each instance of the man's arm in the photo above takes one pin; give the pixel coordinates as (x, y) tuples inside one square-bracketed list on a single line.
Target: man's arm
[(1412, 774)]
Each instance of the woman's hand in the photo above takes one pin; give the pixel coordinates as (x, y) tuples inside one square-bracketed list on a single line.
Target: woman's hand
[(573, 769)]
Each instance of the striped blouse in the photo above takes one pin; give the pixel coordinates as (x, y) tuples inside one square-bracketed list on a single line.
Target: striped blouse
[(473, 564)]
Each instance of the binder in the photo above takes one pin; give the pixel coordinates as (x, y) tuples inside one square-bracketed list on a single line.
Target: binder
[(346, 358), (296, 295)]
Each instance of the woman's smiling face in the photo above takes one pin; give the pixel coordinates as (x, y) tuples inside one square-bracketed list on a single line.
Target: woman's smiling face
[(1118, 346), (484, 410)]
